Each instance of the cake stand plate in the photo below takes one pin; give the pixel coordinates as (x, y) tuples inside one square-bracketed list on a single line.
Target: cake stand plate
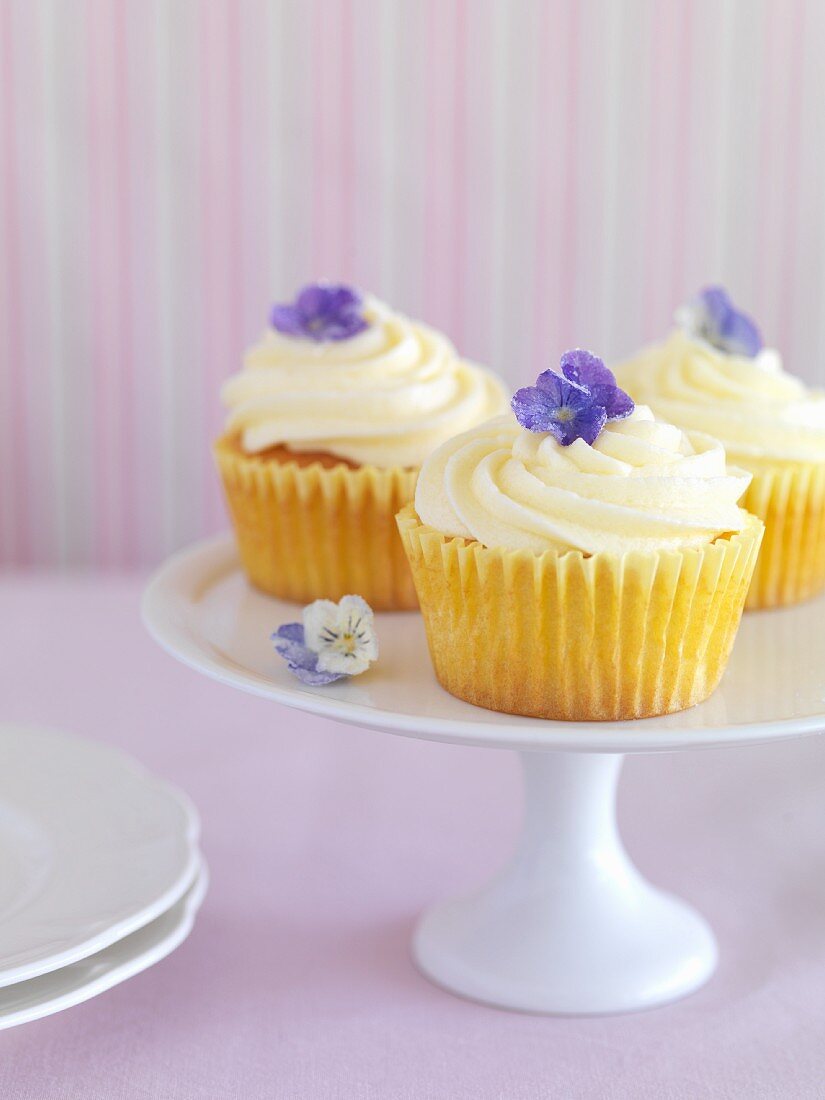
[(569, 925)]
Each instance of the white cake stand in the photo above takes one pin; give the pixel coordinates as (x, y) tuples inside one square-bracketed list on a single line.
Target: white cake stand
[(569, 925)]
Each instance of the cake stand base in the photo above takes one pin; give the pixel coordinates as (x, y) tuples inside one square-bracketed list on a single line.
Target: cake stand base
[(569, 926)]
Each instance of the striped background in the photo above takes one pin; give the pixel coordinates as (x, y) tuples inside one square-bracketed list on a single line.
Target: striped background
[(526, 174)]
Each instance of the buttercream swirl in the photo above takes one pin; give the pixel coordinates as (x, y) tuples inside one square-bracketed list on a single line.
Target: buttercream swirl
[(643, 485), (386, 397), (760, 413)]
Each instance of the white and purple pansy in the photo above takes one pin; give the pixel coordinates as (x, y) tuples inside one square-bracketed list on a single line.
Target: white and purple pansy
[(334, 641), (321, 311), (712, 318), (574, 404)]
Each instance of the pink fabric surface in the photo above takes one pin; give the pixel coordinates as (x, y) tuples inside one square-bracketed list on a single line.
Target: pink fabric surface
[(324, 843)]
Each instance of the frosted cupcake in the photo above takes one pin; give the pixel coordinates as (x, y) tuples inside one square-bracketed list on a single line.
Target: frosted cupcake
[(329, 421), (577, 559), (713, 373)]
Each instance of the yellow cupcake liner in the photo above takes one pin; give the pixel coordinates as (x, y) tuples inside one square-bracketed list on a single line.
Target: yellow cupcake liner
[(790, 501), (577, 638), (308, 532)]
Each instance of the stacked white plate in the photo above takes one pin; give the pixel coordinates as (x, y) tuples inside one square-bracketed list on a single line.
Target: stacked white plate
[(100, 873)]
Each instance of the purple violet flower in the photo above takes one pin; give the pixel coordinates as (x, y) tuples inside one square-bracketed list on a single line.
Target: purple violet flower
[(713, 318), (575, 404), (301, 660), (586, 369), (321, 311)]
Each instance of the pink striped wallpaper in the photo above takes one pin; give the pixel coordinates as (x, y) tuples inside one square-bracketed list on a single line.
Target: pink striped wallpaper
[(526, 174)]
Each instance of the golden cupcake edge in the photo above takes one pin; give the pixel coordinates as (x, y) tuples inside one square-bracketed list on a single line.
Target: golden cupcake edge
[(790, 500), (318, 529), (576, 638)]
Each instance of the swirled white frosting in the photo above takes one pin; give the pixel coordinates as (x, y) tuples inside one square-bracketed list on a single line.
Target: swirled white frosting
[(386, 397), (643, 485), (761, 413)]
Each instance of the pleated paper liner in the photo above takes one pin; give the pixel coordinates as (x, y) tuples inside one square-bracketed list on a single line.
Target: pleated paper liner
[(791, 502), (578, 638), (313, 531)]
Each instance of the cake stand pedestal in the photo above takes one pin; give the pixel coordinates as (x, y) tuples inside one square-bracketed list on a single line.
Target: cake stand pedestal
[(568, 925)]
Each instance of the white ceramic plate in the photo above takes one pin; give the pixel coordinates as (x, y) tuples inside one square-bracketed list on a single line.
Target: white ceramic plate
[(92, 847), (200, 608), (82, 980)]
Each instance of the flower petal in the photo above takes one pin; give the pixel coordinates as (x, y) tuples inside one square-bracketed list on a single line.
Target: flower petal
[(342, 299), (312, 301), (615, 402), (341, 328), (293, 632), (715, 305), (711, 317), (315, 677), (287, 319), (297, 654), (320, 619), (586, 369), (289, 643), (741, 335), (302, 662), (356, 605), (332, 659), (551, 383), (533, 408), (356, 608)]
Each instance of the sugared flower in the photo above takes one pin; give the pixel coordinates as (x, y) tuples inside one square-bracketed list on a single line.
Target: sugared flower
[(335, 640), (575, 404), (301, 661), (712, 318), (321, 311)]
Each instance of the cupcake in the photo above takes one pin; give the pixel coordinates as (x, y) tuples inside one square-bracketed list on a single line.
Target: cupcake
[(713, 374), (578, 559), (329, 421)]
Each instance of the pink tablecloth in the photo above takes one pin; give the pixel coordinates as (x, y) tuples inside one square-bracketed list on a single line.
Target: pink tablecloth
[(325, 842)]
